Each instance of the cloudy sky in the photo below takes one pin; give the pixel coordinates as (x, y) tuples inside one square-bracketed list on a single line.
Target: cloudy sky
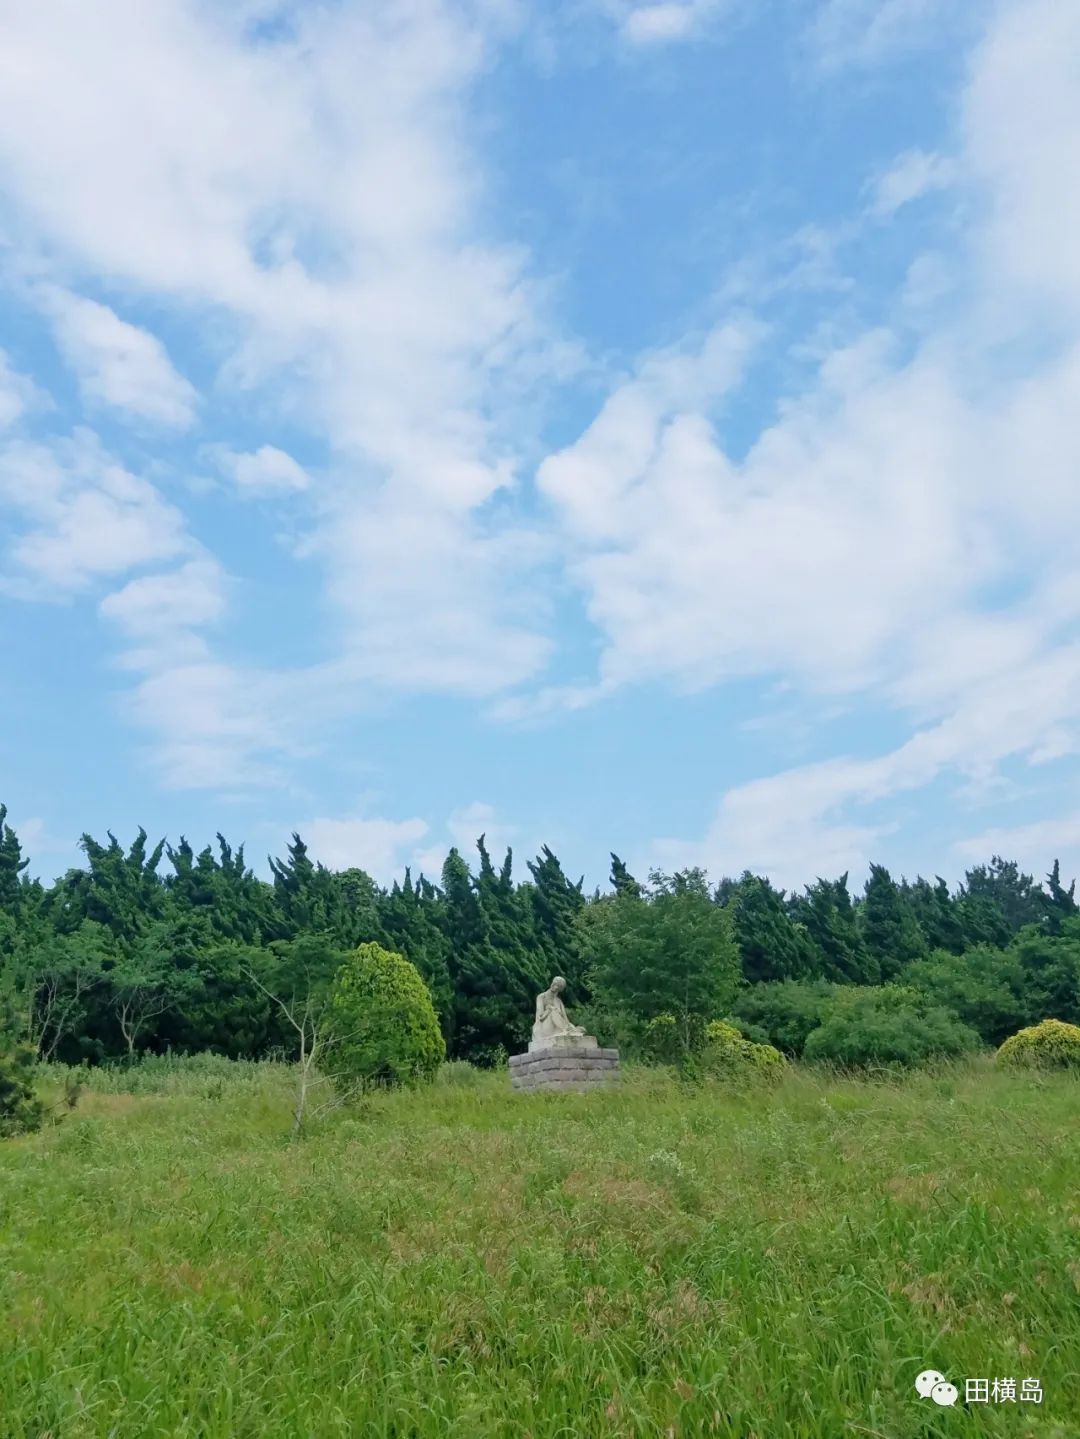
[(621, 425)]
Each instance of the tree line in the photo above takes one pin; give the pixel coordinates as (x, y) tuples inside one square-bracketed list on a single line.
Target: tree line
[(148, 949)]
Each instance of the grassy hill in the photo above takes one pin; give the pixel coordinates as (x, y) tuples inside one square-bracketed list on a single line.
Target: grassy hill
[(466, 1261)]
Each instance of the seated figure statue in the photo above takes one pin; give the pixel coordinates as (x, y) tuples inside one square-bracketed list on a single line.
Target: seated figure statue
[(552, 1021)]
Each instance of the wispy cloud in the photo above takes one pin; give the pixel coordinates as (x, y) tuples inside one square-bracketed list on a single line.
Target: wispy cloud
[(118, 365)]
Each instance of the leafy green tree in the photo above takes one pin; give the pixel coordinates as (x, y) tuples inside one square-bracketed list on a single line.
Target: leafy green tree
[(62, 980), (670, 952), (156, 973), (1051, 967), (222, 1010), (384, 1028), (889, 928)]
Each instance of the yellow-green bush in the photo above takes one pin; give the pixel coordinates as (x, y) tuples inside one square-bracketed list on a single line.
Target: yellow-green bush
[(728, 1054), (1053, 1044)]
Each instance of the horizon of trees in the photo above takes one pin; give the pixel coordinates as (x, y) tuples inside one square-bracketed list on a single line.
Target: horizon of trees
[(148, 948)]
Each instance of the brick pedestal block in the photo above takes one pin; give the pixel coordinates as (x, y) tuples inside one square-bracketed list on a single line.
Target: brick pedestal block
[(565, 1064)]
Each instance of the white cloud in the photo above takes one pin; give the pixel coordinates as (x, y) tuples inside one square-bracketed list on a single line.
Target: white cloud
[(1021, 130), (462, 829), (328, 231), (155, 605), (1034, 846), (375, 845), (87, 516), (812, 820), (911, 175), (267, 471), (854, 545), (866, 32), (118, 364), (17, 393), (657, 23)]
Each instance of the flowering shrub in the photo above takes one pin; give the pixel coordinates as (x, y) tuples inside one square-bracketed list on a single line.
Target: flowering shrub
[(727, 1053), (1053, 1044)]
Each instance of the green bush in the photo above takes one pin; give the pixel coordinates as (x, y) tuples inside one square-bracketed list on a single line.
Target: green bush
[(459, 1074), (20, 1109), (785, 1012), (887, 1025), (984, 987), (384, 1027), (661, 1043), (728, 1055), (1053, 1044)]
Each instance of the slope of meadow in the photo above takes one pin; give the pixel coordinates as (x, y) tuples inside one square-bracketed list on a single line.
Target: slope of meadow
[(469, 1262)]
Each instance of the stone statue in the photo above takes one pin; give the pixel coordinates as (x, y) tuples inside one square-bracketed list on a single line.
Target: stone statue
[(552, 1021)]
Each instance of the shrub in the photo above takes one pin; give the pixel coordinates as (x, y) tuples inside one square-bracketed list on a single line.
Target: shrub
[(20, 1109), (726, 1053), (383, 1026), (984, 987), (459, 1074), (887, 1025), (661, 1042), (1053, 1044), (786, 1011)]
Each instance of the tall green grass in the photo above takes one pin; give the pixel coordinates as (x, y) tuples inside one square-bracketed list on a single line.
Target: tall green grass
[(471, 1262)]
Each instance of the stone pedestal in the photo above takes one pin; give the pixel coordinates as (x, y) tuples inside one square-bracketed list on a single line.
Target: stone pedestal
[(571, 1063)]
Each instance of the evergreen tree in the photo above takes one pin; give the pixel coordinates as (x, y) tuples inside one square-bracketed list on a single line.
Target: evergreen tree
[(410, 915), (1060, 902), (997, 901), (622, 881), (122, 891), (936, 913), (770, 945), (556, 904), (494, 996), (828, 918), (889, 928), (12, 867)]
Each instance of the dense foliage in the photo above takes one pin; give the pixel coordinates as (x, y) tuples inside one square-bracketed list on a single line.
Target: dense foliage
[(888, 1025), (383, 1023), (1049, 1045), (20, 1109), (151, 948)]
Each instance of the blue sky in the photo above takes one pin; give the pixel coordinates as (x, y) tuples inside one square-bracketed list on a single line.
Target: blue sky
[(620, 425)]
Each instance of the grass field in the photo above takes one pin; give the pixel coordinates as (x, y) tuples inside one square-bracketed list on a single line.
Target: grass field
[(470, 1262)]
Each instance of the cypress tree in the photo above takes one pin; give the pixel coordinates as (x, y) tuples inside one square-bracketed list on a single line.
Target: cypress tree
[(770, 945), (889, 928)]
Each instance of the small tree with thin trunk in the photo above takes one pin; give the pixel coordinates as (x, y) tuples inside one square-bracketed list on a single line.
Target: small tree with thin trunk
[(298, 982)]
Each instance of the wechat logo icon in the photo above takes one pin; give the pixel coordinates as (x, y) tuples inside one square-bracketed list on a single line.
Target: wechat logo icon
[(932, 1384)]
